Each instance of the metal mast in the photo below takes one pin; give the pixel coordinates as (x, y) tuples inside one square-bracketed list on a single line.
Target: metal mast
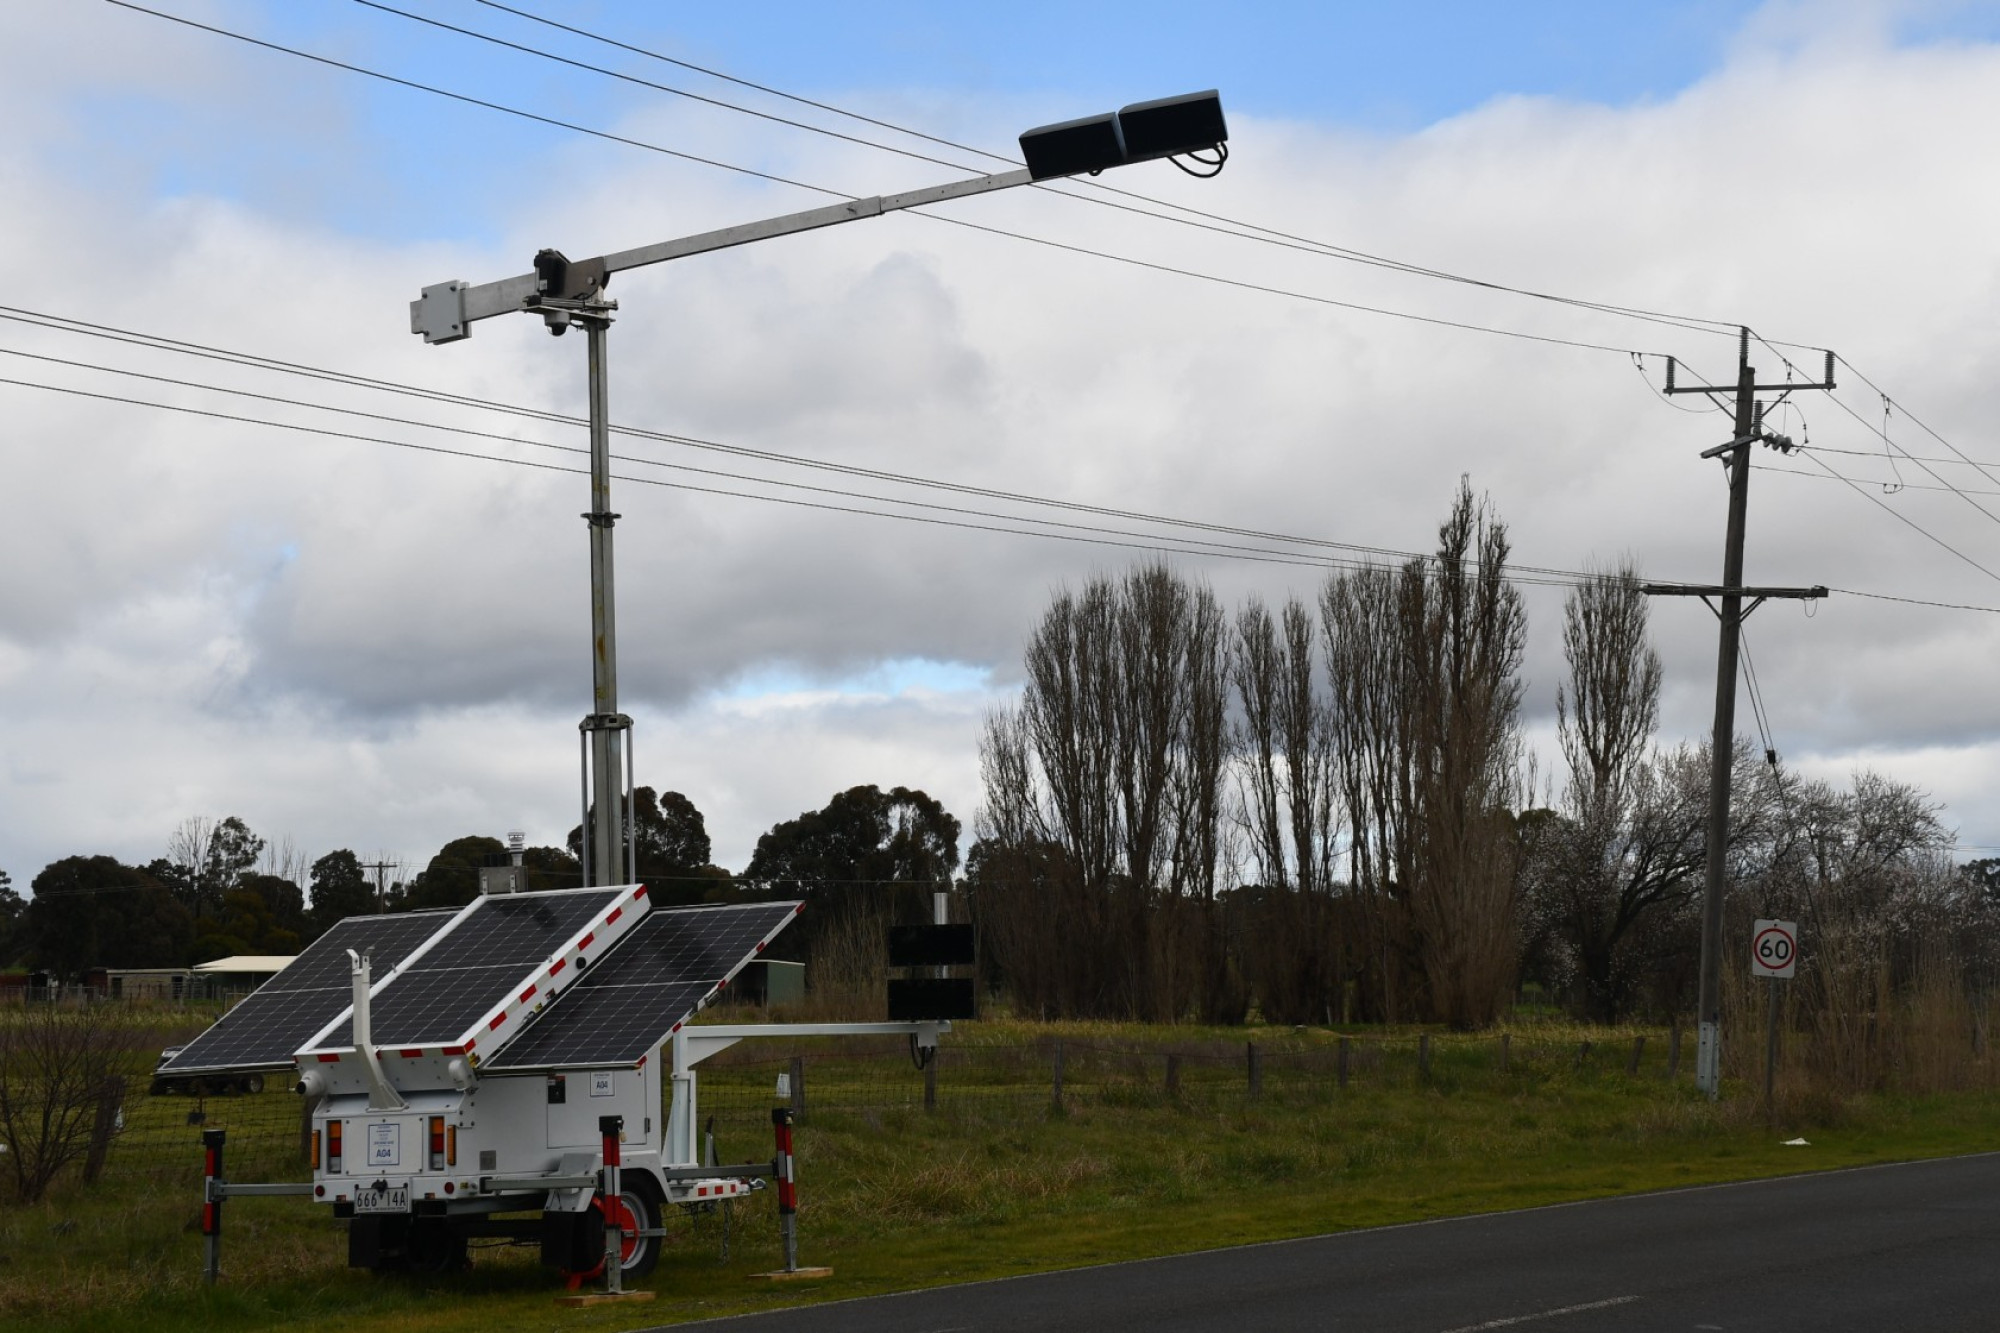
[(565, 292)]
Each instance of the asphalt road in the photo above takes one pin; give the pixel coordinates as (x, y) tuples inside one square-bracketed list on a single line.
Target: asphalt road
[(1903, 1247)]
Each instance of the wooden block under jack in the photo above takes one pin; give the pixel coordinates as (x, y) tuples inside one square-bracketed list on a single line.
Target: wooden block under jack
[(793, 1274), (602, 1297)]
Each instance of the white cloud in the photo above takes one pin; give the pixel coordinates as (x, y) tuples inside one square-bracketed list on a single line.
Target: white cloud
[(377, 648)]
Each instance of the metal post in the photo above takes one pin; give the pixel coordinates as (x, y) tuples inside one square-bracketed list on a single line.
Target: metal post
[(611, 1126), (1638, 1054), (798, 1082), (211, 1201), (1256, 1069), (930, 1082), (788, 1193), (1058, 1062), (606, 834), (1771, 1050)]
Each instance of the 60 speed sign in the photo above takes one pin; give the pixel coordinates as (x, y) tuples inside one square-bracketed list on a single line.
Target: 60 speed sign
[(1774, 949)]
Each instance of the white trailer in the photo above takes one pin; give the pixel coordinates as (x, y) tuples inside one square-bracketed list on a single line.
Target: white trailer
[(464, 1067)]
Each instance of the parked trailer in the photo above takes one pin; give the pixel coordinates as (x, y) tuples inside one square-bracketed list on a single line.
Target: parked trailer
[(464, 1068)]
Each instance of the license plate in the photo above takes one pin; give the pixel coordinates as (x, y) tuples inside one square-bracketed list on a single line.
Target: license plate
[(395, 1200)]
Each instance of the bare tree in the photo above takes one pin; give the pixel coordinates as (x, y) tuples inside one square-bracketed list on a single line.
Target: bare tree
[(1105, 787), (1465, 706), (1366, 618), (1423, 666), (187, 853), (1607, 712), (1627, 845), (61, 1090), (1283, 744)]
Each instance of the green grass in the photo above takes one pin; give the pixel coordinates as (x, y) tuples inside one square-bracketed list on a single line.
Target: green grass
[(996, 1182)]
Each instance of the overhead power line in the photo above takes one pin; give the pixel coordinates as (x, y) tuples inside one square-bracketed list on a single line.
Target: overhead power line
[(1242, 230), (962, 517), (765, 455), (1527, 574), (1197, 275)]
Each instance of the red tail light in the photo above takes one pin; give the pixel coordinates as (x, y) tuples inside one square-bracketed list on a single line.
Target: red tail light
[(333, 1145), (437, 1143)]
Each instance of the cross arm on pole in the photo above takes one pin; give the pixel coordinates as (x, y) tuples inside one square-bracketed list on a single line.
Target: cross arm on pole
[(1717, 590), (446, 311), (1825, 382), (1705, 591)]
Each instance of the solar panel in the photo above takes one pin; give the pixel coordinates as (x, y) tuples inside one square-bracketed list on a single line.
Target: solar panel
[(654, 979), (269, 1026), (478, 965)]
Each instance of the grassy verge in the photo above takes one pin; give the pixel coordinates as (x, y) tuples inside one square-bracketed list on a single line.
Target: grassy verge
[(895, 1197)]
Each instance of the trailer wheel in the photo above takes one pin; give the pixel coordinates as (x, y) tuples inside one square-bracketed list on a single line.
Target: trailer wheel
[(642, 1198), (253, 1084), (636, 1209)]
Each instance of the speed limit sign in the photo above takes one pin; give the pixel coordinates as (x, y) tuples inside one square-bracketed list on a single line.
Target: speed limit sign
[(1774, 949)]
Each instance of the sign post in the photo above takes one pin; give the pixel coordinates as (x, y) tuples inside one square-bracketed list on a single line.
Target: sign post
[(1774, 954)]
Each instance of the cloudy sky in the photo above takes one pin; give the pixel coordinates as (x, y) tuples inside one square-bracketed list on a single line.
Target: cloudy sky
[(205, 610)]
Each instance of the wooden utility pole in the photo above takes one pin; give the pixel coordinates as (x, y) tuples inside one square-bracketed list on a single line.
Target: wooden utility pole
[(380, 868), (1729, 609)]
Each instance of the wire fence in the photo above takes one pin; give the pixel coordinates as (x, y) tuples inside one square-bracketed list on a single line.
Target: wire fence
[(1055, 1074), (156, 1137)]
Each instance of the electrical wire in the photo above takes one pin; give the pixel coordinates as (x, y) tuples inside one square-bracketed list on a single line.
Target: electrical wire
[(1928, 458), (1882, 434), (1558, 576), (1245, 230), (1109, 256), (59, 323), (1890, 488), (1904, 519), (1074, 532), (1756, 693)]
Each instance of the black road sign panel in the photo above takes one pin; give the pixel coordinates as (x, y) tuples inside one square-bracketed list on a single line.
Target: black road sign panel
[(931, 946), (929, 997), (279, 1017), (654, 979)]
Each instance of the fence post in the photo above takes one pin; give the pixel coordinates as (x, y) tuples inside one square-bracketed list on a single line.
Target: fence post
[(110, 1103), (798, 1087), (1058, 1062), (1674, 1051), (930, 1081), (1506, 1039), (1638, 1050), (1173, 1075), (1582, 1053), (1341, 1063), (211, 1202), (1424, 1055), (788, 1190), (1256, 1070)]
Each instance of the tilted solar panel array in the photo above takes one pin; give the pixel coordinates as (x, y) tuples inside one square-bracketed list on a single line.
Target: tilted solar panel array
[(477, 966), (279, 1017), (654, 979)]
